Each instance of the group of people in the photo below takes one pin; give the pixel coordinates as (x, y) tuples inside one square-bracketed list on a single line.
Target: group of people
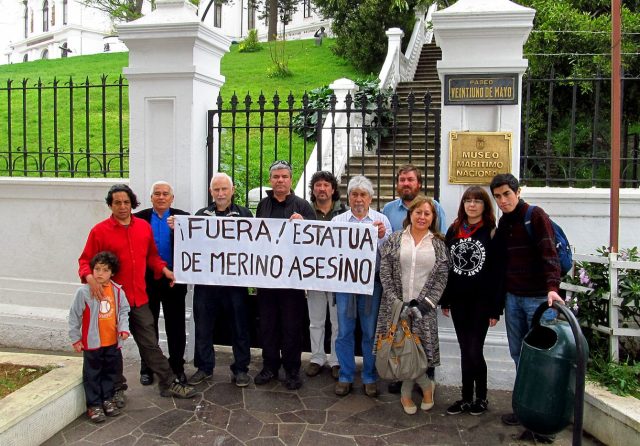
[(473, 270)]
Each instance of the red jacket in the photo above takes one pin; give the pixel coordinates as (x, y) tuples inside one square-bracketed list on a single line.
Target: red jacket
[(136, 250)]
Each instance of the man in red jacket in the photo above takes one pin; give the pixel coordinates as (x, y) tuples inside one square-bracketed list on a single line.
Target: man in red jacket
[(131, 240)]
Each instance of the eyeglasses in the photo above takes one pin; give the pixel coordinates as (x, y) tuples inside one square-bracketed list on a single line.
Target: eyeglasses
[(472, 201), (281, 163)]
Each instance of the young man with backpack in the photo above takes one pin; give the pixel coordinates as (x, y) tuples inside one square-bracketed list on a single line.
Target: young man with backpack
[(531, 263)]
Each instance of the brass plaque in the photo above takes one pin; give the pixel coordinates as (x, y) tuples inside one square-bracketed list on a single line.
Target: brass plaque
[(476, 157)]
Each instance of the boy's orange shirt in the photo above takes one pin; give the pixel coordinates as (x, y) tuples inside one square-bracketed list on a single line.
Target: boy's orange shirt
[(107, 320)]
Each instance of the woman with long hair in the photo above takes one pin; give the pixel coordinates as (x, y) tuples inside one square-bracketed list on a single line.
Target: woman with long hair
[(414, 268), (471, 293)]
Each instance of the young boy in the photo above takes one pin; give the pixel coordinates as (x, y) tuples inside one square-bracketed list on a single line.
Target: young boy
[(97, 328)]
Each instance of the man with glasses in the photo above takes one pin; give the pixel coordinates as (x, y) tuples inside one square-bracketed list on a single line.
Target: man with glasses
[(325, 199), (280, 310), (159, 290)]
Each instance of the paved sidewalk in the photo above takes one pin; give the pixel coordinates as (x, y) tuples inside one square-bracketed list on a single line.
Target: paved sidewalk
[(271, 415)]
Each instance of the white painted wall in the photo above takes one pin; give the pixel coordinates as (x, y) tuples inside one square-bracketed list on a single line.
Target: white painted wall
[(46, 223)]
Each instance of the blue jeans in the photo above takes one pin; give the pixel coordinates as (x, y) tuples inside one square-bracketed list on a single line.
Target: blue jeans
[(518, 313), (211, 303), (345, 342)]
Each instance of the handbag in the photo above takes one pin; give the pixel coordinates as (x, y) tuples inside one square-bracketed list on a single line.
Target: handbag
[(399, 353)]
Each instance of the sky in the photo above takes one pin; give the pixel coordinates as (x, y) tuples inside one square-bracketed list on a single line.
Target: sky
[(10, 22)]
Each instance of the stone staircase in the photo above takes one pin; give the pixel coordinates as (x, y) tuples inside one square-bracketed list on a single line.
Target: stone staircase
[(410, 135)]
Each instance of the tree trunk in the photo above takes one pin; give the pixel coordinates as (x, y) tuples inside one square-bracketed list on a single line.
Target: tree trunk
[(273, 20)]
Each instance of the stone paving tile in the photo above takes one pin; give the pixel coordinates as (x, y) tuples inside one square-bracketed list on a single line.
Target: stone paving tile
[(290, 433), (226, 415), (315, 438), (198, 433), (127, 440), (163, 425), (243, 425), (276, 402)]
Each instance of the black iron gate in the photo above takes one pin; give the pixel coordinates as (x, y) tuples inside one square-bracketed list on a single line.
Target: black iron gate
[(369, 136)]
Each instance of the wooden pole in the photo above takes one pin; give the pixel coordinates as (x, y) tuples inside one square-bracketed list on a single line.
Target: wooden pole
[(616, 112)]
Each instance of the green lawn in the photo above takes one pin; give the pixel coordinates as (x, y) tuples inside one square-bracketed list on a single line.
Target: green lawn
[(50, 139)]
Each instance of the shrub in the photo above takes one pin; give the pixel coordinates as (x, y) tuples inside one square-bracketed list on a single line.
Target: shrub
[(250, 44), (375, 102), (592, 308)]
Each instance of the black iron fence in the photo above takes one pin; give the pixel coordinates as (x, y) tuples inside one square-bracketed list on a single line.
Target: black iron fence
[(368, 136), (64, 128), (566, 132)]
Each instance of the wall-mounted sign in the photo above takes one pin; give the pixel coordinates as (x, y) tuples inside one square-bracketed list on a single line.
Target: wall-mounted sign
[(476, 157), (481, 89)]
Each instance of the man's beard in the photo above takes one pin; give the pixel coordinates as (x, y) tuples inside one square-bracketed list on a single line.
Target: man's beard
[(407, 195)]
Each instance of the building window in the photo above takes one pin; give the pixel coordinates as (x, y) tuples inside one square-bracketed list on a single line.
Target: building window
[(64, 48), (25, 58), (26, 20), (31, 19), (53, 13), (45, 16), (217, 15), (65, 11), (251, 16), (45, 54), (307, 8)]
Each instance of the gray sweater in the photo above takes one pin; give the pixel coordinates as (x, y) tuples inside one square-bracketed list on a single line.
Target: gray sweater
[(84, 312)]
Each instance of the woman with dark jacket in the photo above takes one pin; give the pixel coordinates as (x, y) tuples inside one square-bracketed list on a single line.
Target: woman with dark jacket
[(471, 293)]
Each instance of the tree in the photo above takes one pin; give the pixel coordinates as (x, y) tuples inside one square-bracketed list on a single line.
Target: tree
[(284, 10), (360, 25), (118, 10)]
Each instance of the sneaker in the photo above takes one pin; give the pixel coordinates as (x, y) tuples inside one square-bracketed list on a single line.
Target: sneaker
[(293, 381), (119, 398), (146, 379), (313, 369), (182, 377), (510, 419), (178, 390), (110, 408), (395, 386), (241, 379), (96, 414), (335, 371), (263, 377), (459, 406), (342, 388), (198, 377), (371, 389), (479, 407)]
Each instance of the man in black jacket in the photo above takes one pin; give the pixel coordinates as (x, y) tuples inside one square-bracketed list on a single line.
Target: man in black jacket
[(159, 291), (281, 310), (211, 302)]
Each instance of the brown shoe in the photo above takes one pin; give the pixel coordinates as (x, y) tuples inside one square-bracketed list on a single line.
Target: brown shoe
[(371, 389), (335, 371), (342, 388), (313, 369)]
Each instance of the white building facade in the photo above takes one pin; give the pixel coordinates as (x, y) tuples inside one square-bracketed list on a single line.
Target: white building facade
[(50, 29)]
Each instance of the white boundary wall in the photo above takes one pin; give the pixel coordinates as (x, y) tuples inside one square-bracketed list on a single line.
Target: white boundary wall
[(46, 222)]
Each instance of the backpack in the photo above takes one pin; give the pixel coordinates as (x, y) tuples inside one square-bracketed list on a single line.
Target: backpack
[(565, 255)]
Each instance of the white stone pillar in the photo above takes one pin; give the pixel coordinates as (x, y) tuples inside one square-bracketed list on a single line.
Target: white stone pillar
[(395, 36), (480, 36), (174, 78)]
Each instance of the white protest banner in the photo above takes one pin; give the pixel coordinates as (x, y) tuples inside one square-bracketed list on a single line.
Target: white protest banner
[(275, 253)]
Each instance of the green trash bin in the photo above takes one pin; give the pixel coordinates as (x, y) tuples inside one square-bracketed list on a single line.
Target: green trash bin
[(545, 388)]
